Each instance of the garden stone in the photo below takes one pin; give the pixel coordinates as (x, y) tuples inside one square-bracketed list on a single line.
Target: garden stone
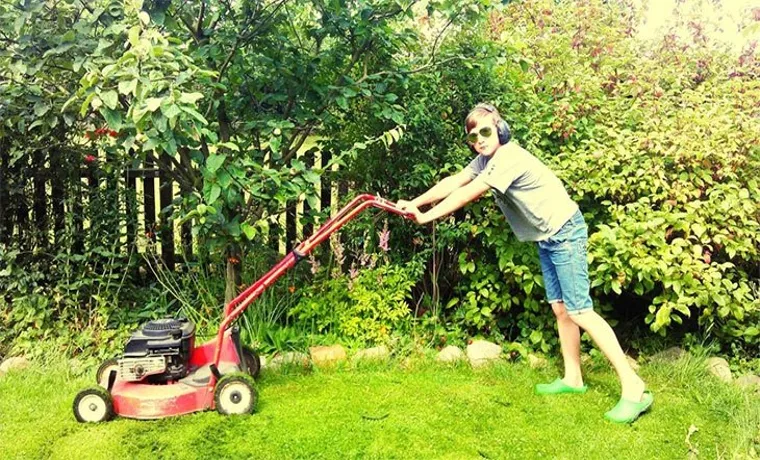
[(536, 361), (669, 355), (291, 357), (378, 353), (450, 354), (481, 352), (327, 355), (749, 382), (16, 362), (719, 368)]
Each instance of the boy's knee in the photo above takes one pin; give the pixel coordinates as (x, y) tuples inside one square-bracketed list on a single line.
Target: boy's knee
[(560, 311)]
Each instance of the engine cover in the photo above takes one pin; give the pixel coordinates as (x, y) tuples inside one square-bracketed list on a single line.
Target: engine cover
[(159, 351), (136, 369)]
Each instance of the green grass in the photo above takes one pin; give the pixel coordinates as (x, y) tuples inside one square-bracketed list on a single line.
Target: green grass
[(392, 411)]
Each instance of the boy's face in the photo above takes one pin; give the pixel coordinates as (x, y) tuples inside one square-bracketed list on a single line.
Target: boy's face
[(483, 137)]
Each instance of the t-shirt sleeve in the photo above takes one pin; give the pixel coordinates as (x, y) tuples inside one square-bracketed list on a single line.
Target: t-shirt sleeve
[(475, 167), (502, 170)]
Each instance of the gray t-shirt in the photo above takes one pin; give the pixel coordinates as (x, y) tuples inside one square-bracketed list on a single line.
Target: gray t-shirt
[(532, 198)]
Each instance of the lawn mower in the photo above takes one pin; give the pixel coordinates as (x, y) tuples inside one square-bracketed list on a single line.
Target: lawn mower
[(162, 373)]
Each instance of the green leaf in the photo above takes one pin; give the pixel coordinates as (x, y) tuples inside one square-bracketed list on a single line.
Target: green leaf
[(194, 113), (110, 99), (230, 145), (134, 36), (170, 146), (138, 114), (151, 144), (37, 122), (86, 104), (41, 108), (153, 103), (18, 24), (248, 230), (112, 117), (215, 162), (170, 110), (215, 192), (127, 87), (190, 98), (313, 201)]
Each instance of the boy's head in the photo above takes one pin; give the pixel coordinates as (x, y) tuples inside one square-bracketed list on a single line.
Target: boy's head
[(485, 129)]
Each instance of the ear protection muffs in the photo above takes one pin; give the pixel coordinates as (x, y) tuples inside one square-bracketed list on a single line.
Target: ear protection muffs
[(502, 128)]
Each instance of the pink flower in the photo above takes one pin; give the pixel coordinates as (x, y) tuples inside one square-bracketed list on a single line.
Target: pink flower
[(384, 236), (89, 158), (314, 264)]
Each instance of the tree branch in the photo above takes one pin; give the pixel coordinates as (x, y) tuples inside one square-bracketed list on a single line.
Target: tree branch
[(200, 19)]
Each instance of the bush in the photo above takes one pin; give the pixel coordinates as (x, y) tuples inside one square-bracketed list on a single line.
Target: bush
[(367, 307)]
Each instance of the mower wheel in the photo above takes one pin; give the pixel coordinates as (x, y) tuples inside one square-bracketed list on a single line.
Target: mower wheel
[(93, 405), (251, 362), (104, 371), (235, 394)]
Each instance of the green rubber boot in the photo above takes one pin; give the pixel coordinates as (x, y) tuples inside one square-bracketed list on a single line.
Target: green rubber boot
[(626, 411), (559, 387)]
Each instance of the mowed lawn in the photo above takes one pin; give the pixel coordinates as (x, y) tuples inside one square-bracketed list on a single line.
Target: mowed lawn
[(394, 410)]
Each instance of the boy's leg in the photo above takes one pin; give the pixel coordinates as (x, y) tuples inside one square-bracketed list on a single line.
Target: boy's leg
[(604, 338), (570, 343), (567, 253), (569, 333)]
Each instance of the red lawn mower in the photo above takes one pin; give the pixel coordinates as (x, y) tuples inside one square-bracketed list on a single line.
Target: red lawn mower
[(162, 373)]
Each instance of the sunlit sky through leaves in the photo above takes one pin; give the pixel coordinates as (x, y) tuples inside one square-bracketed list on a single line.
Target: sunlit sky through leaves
[(734, 22)]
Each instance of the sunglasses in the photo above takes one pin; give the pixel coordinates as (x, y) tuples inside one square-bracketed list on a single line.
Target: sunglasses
[(483, 132)]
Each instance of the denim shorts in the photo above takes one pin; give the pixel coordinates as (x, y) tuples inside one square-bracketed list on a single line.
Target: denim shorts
[(565, 268)]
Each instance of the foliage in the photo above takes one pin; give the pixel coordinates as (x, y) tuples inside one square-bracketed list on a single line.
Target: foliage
[(659, 148), (657, 141), (662, 155), (367, 307)]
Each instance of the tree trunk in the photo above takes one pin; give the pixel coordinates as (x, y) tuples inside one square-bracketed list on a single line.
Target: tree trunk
[(234, 259), (233, 273)]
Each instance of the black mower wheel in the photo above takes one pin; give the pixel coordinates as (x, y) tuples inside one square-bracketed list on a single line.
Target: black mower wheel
[(251, 362), (235, 394), (101, 377), (93, 405)]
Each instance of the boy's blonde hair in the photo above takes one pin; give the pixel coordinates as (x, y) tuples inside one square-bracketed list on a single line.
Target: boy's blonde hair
[(480, 111)]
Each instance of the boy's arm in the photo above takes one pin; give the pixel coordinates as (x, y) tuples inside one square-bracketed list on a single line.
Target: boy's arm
[(443, 188), (455, 200)]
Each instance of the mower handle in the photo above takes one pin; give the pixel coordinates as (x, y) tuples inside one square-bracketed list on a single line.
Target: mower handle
[(238, 305)]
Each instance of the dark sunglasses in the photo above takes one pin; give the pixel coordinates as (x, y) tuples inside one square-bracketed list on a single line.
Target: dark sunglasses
[(484, 132)]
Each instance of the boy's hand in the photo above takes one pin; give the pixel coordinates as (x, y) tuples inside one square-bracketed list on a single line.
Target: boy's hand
[(407, 206), (404, 205), (416, 212)]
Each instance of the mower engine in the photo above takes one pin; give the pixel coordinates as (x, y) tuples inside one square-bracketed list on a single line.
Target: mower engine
[(158, 352)]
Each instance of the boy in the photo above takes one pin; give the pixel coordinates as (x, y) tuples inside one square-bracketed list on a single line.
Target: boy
[(538, 208)]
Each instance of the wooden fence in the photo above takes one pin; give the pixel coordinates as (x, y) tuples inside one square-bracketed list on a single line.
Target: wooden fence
[(39, 199)]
